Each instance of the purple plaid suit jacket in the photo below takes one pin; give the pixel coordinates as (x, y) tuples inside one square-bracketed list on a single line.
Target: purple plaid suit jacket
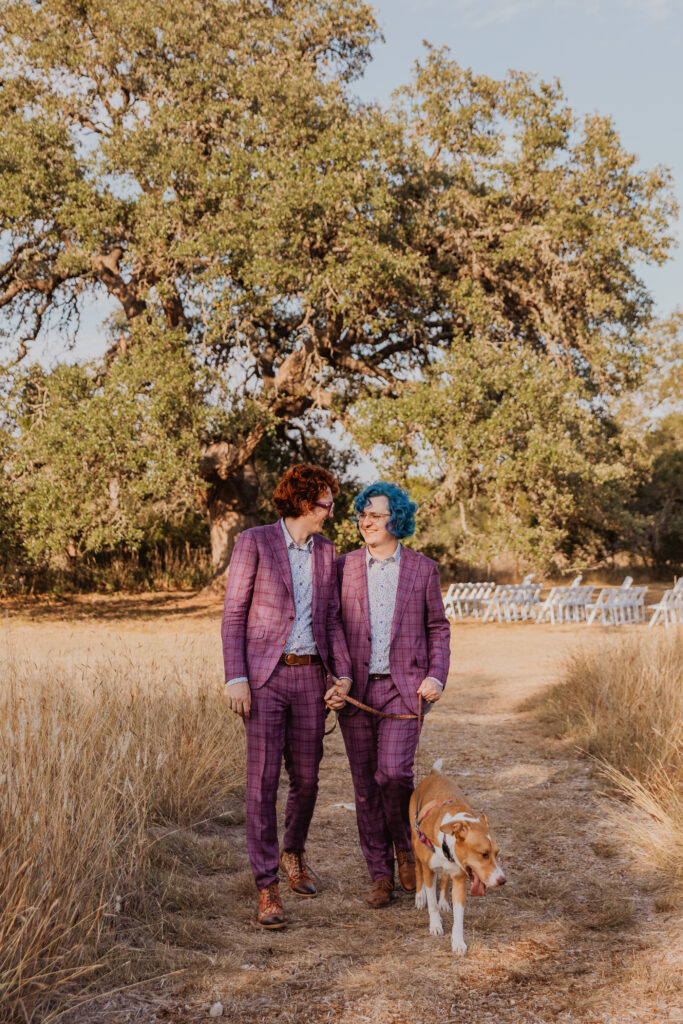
[(259, 606), (420, 633)]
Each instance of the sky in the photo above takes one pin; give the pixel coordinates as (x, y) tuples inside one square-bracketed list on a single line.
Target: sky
[(623, 58)]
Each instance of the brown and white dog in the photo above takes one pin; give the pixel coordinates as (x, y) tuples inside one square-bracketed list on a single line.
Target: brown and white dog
[(451, 839)]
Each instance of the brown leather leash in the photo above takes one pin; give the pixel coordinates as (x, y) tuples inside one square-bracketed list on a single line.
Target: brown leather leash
[(417, 766), (383, 714), (374, 711), (417, 820)]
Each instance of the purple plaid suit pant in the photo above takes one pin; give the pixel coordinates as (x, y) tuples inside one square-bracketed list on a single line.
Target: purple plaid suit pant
[(381, 753), (287, 719)]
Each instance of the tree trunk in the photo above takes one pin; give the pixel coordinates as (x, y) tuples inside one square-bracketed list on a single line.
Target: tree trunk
[(230, 504)]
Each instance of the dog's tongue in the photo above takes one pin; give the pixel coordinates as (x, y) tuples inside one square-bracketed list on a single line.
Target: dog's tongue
[(477, 887)]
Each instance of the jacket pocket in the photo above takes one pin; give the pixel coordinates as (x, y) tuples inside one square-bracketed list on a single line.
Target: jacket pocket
[(256, 633)]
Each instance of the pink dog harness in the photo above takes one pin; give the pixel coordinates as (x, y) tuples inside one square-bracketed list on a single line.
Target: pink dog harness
[(425, 838)]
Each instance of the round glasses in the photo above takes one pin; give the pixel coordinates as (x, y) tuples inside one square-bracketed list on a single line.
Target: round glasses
[(373, 517)]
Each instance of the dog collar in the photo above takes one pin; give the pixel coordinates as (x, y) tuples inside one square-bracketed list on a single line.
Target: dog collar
[(424, 839), (446, 852)]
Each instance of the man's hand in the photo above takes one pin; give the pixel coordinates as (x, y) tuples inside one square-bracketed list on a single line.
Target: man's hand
[(430, 690), (334, 698), (239, 699)]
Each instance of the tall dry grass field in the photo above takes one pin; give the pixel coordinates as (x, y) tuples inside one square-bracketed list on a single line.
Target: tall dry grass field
[(91, 757), (623, 704)]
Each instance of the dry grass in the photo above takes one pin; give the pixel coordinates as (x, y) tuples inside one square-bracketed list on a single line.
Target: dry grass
[(92, 757), (576, 935), (623, 704)]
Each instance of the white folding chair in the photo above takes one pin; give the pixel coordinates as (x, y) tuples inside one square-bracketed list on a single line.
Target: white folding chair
[(670, 606), (608, 605)]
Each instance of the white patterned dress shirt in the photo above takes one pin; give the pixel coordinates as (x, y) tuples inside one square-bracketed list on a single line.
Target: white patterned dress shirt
[(382, 589), (301, 639)]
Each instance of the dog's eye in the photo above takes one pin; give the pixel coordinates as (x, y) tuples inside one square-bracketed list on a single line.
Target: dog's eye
[(486, 854)]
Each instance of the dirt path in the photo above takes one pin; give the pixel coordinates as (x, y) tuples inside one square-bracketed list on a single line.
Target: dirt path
[(576, 935)]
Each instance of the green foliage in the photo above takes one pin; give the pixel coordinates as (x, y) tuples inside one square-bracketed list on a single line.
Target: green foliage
[(658, 500), (535, 220), (533, 469), (105, 459), (652, 416), (206, 166)]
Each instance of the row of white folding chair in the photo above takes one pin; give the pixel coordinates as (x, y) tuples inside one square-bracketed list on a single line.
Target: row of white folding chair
[(466, 598), (619, 606), (550, 605), (605, 601), (512, 602), (670, 606), (566, 604), (515, 599)]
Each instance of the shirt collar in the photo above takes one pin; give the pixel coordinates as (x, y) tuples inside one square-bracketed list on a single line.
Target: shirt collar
[(371, 560), (291, 543)]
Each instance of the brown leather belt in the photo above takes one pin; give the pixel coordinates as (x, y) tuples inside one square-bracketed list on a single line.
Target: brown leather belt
[(378, 675), (300, 659)]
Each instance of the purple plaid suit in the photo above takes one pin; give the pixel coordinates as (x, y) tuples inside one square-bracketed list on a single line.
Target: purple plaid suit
[(287, 710), (381, 751)]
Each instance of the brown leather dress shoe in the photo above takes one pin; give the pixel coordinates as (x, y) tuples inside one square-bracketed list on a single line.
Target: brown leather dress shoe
[(406, 869), (380, 894), (295, 867), (270, 912)]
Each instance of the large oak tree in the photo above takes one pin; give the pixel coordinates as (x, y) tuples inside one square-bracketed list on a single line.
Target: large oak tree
[(207, 163)]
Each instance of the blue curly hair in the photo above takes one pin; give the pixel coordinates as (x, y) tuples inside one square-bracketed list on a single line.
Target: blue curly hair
[(402, 522)]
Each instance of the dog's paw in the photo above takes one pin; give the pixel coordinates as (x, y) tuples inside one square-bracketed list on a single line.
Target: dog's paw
[(458, 947), (421, 899), (444, 905), (435, 926)]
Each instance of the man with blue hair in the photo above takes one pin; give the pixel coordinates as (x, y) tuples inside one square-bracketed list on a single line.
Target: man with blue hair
[(399, 642)]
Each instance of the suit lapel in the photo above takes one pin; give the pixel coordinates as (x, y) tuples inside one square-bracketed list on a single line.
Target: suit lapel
[(358, 580), (318, 565), (278, 546), (406, 580)]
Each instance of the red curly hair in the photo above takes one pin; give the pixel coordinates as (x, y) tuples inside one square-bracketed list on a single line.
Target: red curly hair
[(300, 487)]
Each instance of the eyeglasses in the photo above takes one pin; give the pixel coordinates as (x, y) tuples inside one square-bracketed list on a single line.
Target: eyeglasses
[(327, 505), (374, 517)]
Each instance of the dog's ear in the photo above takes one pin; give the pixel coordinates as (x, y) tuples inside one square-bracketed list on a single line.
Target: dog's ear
[(458, 829), (484, 820)]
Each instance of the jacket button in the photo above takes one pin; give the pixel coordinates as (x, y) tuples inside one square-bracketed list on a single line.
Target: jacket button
[(366, 662), (291, 618), (370, 639)]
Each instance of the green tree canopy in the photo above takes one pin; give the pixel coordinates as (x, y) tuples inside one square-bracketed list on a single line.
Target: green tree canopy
[(206, 165), (89, 471), (514, 444)]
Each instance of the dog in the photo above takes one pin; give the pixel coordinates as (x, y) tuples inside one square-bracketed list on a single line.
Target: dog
[(448, 837)]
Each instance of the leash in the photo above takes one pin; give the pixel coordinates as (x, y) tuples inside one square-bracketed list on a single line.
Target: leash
[(379, 714), (383, 714), (422, 836)]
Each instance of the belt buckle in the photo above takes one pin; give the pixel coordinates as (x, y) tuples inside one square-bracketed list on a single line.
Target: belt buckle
[(290, 659)]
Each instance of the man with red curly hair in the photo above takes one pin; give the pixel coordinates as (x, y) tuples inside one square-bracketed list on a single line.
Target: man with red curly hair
[(282, 635)]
